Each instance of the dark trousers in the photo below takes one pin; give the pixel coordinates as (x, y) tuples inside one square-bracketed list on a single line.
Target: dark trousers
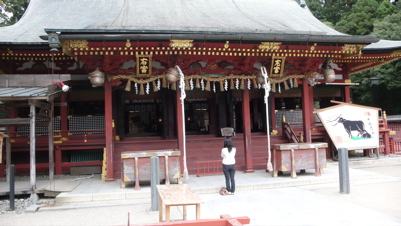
[(229, 172)]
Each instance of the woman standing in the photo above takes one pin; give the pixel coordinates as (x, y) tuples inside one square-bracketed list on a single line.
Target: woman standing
[(228, 155)]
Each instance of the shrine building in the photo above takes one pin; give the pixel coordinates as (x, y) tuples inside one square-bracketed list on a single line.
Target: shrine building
[(82, 82)]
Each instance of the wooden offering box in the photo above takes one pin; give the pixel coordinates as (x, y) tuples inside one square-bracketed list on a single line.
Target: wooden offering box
[(299, 156), (136, 166)]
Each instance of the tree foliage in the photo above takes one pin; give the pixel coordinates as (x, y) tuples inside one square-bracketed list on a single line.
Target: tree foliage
[(368, 17), (330, 11), (388, 28), (11, 11), (359, 21)]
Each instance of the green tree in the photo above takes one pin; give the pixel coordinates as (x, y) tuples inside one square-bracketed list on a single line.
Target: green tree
[(11, 11), (389, 27), (385, 9), (359, 21), (330, 11), (386, 94)]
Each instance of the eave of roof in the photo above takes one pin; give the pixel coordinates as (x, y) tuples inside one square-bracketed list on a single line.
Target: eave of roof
[(384, 45), (109, 35), (24, 93)]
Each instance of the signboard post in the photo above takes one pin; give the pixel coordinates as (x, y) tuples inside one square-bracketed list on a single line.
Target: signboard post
[(350, 127)]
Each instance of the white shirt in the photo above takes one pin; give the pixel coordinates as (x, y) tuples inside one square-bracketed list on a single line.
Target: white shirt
[(228, 157)]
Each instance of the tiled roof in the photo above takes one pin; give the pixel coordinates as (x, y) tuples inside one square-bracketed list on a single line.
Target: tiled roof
[(24, 93), (259, 20)]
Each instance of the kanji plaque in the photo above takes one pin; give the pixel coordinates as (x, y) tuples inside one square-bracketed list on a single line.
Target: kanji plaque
[(143, 66)]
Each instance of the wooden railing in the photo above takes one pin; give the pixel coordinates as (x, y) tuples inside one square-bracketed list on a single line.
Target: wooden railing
[(211, 167), (289, 132), (224, 220), (395, 146)]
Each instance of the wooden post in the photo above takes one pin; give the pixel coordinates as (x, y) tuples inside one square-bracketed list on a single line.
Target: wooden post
[(51, 139), (180, 131), (108, 118), (306, 111), (311, 107), (272, 108), (32, 143), (246, 118), (9, 130), (346, 90), (347, 94), (59, 169)]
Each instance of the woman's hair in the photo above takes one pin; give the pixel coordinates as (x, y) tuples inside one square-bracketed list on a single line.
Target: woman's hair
[(228, 143)]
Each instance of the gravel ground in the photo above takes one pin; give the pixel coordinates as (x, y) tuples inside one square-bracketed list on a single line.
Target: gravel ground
[(22, 202)]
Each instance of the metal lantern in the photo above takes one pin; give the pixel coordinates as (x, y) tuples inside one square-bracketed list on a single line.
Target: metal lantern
[(172, 75), (259, 78), (96, 78), (329, 75)]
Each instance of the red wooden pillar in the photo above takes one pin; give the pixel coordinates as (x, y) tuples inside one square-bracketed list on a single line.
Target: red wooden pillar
[(386, 141), (346, 89), (12, 113), (58, 161), (180, 129), (347, 94), (108, 118), (64, 116), (311, 105), (272, 108), (306, 111), (246, 118)]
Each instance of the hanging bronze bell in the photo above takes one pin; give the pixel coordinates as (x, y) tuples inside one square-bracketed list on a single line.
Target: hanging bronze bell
[(96, 78), (329, 75), (172, 75), (259, 78)]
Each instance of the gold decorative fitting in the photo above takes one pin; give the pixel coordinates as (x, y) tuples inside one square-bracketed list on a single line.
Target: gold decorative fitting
[(396, 53), (78, 44), (128, 44), (269, 46), (227, 45), (68, 45), (184, 43), (312, 48), (352, 50)]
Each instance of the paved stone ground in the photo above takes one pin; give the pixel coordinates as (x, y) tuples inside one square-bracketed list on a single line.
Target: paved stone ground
[(371, 202)]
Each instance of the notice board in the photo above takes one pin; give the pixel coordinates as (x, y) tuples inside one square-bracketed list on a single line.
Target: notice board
[(351, 126)]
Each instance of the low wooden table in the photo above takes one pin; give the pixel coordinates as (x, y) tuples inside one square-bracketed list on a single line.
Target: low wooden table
[(177, 195)]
